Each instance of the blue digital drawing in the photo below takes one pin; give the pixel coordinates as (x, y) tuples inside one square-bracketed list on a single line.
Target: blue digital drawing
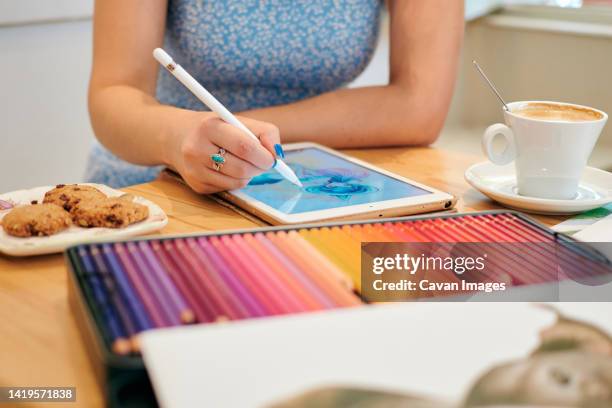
[(329, 182)]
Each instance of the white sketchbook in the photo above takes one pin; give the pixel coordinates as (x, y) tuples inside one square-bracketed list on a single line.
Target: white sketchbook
[(433, 349)]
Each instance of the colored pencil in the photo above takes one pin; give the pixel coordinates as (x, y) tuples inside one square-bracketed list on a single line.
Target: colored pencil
[(147, 296), (319, 269), (577, 266), (320, 259), (301, 274), (185, 313), (259, 269), (240, 289), (309, 298), (501, 260), (183, 284), (115, 332), (318, 240), (169, 310), (206, 303), (223, 310), (144, 284), (141, 316), (257, 275), (509, 260), (446, 233), (214, 280), (126, 315), (240, 268), (539, 261)]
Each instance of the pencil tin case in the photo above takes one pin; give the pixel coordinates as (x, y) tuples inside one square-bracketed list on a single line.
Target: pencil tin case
[(122, 379), (123, 376)]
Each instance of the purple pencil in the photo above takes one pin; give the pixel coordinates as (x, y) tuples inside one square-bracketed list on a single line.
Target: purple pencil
[(183, 283), (120, 344), (170, 312), (177, 301), (129, 291), (158, 315), (123, 308)]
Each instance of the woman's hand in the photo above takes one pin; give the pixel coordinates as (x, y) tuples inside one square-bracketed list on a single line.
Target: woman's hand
[(190, 152)]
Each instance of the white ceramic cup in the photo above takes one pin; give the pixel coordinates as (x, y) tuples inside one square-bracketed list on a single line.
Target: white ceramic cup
[(549, 155)]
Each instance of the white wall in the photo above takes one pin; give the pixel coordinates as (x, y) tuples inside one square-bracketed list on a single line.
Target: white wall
[(18, 12), (44, 69), (44, 124), (529, 63)]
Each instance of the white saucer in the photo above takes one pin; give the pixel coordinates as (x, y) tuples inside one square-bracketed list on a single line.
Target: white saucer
[(499, 184)]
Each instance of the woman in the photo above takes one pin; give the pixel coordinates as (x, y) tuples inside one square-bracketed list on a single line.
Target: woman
[(279, 64)]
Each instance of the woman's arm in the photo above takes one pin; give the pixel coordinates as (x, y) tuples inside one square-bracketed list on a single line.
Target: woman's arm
[(123, 79), (426, 38), (129, 121)]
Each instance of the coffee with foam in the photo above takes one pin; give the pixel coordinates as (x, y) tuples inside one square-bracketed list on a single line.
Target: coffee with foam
[(549, 142), (562, 113)]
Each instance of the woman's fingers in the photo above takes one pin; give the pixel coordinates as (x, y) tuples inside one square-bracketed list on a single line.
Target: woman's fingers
[(245, 157), (224, 181), (234, 166), (242, 145), (267, 133), (205, 180)]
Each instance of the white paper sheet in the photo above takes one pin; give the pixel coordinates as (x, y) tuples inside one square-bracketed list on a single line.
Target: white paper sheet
[(436, 349), (601, 231)]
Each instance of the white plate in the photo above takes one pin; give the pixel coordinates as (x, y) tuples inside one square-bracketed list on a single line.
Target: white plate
[(499, 184), (15, 246)]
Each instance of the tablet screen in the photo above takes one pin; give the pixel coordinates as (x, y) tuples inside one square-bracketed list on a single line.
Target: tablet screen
[(329, 182)]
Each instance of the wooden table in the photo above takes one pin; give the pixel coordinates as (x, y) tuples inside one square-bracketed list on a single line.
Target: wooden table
[(40, 344)]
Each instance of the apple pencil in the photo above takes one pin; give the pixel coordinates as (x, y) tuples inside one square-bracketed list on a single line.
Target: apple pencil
[(207, 99)]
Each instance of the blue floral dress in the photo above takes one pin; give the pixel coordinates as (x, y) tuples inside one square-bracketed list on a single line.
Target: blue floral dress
[(253, 54)]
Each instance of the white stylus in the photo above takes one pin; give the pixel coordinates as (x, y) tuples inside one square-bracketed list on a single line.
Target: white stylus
[(207, 99)]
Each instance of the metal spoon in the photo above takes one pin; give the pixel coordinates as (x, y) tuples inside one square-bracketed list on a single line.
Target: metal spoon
[(490, 84)]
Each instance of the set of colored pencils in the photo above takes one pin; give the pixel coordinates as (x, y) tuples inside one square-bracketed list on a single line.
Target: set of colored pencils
[(139, 285), (527, 254)]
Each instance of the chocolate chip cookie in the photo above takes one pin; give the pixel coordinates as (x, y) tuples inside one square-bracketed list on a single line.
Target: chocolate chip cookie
[(36, 220), (69, 196), (109, 213)]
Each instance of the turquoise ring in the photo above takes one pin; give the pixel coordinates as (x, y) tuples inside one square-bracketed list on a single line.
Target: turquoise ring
[(218, 159)]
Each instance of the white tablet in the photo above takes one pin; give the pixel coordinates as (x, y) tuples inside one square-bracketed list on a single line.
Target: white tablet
[(335, 187)]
